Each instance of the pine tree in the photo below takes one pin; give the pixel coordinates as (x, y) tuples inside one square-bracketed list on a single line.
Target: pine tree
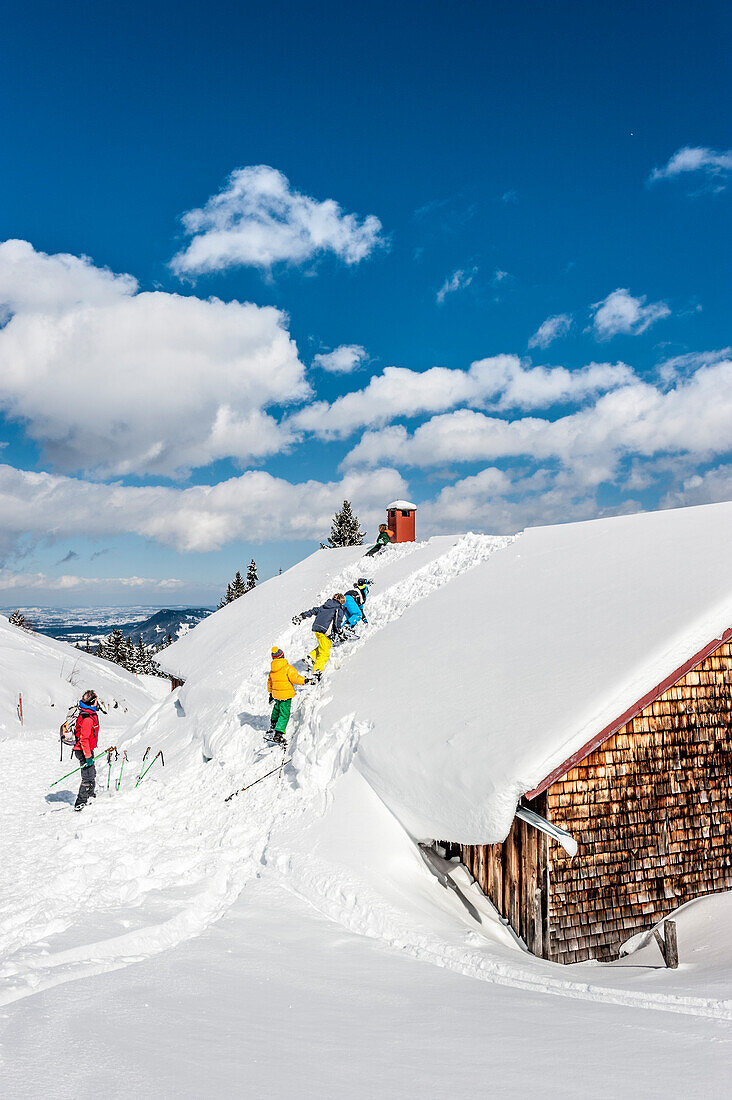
[(252, 577), (345, 530), (17, 618), (115, 647), (226, 598), (141, 659), (238, 586)]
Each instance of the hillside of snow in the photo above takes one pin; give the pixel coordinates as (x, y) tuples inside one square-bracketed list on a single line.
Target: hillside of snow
[(319, 854), (50, 675)]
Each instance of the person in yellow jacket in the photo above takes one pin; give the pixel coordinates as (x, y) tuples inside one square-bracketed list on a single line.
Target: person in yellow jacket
[(281, 687)]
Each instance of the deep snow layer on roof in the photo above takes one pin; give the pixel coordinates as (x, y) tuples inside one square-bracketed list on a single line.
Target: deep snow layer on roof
[(480, 689)]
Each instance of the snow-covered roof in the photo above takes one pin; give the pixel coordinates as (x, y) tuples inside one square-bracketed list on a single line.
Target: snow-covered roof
[(479, 690), (402, 504)]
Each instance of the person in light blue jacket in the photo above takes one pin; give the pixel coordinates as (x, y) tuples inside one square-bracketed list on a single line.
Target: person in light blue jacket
[(355, 599)]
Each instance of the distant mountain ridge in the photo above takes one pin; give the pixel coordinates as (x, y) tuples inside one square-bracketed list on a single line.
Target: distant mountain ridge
[(169, 621), (154, 628)]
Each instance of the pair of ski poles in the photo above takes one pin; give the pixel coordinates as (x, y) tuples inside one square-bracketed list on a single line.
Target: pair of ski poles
[(142, 774)]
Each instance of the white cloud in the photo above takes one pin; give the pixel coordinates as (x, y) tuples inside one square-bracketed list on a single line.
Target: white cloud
[(109, 379), (706, 488), (502, 502), (502, 382), (457, 281), (550, 330), (254, 507), (637, 419), (342, 360), (259, 220), (68, 582), (620, 312), (681, 366), (715, 165)]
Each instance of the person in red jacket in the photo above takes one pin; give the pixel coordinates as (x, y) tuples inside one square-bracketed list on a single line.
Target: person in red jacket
[(87, 737)]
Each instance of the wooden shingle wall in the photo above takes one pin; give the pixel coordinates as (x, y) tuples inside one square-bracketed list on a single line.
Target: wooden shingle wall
[(513, 876), (651, 809)]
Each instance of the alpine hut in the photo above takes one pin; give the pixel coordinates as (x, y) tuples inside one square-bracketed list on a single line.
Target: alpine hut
[(585, 687)]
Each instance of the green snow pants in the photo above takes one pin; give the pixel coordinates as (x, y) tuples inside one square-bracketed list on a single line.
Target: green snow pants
[(281, 714)]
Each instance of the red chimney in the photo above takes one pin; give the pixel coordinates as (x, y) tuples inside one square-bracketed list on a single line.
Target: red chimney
[(400, 520)]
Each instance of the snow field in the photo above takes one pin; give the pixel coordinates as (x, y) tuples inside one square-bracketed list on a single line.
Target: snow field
[(144, 870)]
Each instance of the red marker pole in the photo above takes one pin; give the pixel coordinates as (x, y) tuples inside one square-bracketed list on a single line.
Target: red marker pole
[(20, 708)]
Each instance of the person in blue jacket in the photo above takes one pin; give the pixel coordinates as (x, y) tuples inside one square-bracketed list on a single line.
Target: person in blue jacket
[(327, 627), (355, 599)]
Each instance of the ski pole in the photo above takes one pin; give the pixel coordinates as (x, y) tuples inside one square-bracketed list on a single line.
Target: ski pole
[(119, 780), (109, 763), (242, 789), (79, 768), (142, 775), (144, 758)]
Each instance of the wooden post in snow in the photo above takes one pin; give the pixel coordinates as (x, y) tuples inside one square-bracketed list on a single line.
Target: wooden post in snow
[(668, 943)]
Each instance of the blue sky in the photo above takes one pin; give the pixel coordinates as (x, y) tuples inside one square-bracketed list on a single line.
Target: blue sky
[(512, 221)]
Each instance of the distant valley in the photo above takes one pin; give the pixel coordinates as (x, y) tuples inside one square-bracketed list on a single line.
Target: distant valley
[(76, 624)]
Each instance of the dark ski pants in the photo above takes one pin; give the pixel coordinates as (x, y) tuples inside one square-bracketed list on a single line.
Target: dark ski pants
[(375, 549), (281, 714), (87, 789)]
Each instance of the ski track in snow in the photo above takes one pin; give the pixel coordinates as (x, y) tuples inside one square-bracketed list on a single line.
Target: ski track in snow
[(144, 870)]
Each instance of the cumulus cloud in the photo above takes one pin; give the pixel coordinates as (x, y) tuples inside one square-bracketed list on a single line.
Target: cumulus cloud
[(681, 366), (705, 488), (503, 502), (254, 507), (692, 418), (716, 166), (502, 382), (342, 360), (457, 281), (116, 381), (620, 312), (550, 330), (258, 220)]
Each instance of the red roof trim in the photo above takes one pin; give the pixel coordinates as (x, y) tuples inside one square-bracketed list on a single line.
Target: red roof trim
[(608, 731)]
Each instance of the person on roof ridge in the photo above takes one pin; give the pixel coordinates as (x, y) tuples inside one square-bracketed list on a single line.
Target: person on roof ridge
[(281, 687), (86, 740), (383, 539), (327, 629)]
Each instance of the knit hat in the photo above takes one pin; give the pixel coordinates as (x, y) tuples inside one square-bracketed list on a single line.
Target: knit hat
[(276, 652)]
